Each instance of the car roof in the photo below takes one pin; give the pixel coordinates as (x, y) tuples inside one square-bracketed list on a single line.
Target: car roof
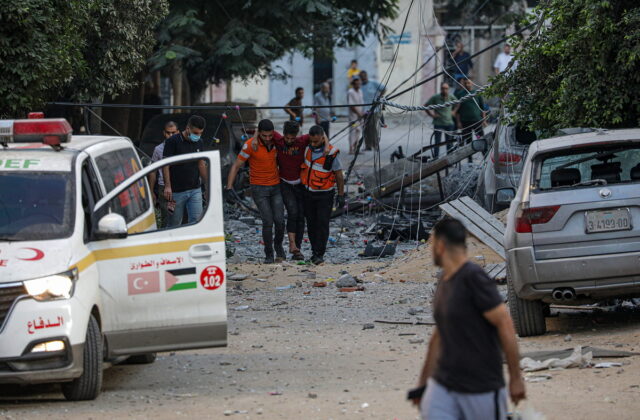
[(594, 137), (46, 157)]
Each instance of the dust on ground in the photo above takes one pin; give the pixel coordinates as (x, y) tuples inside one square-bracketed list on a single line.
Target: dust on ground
[(297, 351)]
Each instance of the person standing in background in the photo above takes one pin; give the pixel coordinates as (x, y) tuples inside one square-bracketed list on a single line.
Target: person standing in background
[(353, 70), (502, 60), (462, 63), (371, 90), (156, 180), (323, 115), (356, 113), (296, 114), (442, 118), (470, 114)]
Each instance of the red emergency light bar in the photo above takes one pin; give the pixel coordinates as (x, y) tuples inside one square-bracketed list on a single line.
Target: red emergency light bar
[(49, 131)]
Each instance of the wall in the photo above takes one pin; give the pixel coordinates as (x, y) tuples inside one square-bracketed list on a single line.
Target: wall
[(413, 49)]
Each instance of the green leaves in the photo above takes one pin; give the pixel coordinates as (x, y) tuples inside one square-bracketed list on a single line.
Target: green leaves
[(241, 38), (579, 70), (78, 49)]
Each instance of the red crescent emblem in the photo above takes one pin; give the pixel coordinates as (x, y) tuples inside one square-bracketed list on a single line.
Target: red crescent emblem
[(39, 255)]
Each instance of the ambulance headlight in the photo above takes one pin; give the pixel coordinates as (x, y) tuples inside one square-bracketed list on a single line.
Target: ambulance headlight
[(58, 286)]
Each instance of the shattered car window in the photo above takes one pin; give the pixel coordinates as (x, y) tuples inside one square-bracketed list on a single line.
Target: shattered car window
[(36, 206), (608, 164)]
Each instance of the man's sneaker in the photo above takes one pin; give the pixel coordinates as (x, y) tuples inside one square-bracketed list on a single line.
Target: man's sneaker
[(280, 259), (317, 260), (269, 259), (297, 255)]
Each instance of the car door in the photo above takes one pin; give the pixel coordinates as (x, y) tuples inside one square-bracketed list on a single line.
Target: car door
[(164, 289)]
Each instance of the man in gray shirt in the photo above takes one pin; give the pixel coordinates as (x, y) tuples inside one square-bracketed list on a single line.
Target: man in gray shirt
[(156, 179), (324, 116)]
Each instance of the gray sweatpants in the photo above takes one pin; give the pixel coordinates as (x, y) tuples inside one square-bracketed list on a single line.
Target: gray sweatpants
[(439, 403)]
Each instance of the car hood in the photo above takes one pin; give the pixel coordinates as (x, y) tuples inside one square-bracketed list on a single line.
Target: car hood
[(28, 260)]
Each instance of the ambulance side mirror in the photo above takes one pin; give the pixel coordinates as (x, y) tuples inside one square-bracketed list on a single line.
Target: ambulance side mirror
[(111, 226)]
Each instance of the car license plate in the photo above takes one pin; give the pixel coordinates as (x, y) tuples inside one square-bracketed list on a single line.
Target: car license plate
[(608, 220)]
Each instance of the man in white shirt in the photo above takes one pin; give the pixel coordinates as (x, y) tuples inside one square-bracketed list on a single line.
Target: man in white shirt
[(502, 60), (356, 113)]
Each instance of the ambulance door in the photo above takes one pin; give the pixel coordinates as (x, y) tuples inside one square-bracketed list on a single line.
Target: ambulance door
[(163, 289)]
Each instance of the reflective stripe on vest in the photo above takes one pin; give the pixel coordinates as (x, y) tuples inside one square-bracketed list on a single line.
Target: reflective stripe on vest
[(313, 175)]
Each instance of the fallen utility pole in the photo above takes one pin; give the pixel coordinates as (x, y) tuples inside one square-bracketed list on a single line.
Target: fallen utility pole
[(405, 172)]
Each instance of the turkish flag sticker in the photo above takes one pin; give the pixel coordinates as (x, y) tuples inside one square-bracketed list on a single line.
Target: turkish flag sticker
[(212, 277)]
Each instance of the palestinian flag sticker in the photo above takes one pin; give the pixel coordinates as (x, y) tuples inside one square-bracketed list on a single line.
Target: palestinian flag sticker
[(175, 279), (212, 277)]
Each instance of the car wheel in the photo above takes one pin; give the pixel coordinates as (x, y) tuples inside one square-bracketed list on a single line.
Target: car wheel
[(89, 384), (528, 315), (141, 359)]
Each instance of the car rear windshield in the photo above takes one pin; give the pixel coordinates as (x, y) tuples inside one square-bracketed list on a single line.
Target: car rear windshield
[(36, 206), (599, 165)]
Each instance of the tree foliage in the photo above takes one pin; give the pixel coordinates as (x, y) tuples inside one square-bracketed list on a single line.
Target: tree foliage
[(483, 12), (76, 49), (580, 68), (224, 39)]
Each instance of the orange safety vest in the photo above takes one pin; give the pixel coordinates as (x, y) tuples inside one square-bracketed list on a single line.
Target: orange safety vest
[(313, 174)]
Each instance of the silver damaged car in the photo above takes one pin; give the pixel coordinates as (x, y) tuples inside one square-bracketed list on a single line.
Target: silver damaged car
[(573, 228)]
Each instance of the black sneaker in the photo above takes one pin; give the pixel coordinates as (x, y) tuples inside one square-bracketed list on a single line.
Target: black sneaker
[(269, 259), (317, 260)]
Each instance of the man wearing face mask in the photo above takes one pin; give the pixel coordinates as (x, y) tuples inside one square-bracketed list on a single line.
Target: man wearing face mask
[(182, 182), (265, 188)]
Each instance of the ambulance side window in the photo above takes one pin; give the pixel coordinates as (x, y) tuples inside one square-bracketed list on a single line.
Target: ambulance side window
[(90, 195), (115, 167)]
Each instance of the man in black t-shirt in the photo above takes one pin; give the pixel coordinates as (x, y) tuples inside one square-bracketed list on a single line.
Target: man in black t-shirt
[(463, 368), (182, 186)]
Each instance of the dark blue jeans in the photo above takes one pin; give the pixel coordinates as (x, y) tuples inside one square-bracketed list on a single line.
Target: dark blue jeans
[(438, 138), (268, 199), (293, 197)]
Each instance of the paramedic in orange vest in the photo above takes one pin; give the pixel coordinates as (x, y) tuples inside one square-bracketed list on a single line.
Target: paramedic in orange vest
[(264, 178), (321, 174)]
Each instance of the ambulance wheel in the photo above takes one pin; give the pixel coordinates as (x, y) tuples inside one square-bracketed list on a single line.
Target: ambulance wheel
[(89, 384), (141, 359)]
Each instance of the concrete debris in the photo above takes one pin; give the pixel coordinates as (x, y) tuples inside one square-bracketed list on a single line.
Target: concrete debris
[(373, 251), (346, 280), (568, 338), (352, 289), (605, 365), (416, 341), (416, 310), (576, 359), (287, 287), (537, 378), (368, 326), (238, 277), (312, 395), (241, 308), (251, 221)]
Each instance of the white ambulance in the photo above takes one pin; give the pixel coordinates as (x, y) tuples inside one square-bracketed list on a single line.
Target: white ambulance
[(86, 278)]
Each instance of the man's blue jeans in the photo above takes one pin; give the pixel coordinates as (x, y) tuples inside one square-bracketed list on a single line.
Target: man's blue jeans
[(191, 200)]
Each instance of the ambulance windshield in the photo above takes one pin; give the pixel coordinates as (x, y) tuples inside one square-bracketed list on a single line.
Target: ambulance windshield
[(36, 205)]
